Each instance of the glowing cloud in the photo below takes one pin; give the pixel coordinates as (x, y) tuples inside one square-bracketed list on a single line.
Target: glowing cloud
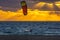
[(33, 15), (49, 6), (39, 5), (57, 4)]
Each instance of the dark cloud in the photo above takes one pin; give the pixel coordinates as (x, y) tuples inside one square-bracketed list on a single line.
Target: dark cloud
[(15, 4), (12, 4), (46, 0), (9, 4)]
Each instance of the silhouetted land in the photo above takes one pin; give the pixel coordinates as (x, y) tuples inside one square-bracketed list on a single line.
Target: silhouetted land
[(29, 37)]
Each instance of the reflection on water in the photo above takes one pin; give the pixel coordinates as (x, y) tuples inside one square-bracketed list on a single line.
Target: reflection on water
[(30, 28)]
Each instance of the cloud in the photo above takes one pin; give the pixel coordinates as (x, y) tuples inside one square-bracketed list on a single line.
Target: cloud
[(46, 0), (0, 6), (47, 6), (13, 4), (9, 4)]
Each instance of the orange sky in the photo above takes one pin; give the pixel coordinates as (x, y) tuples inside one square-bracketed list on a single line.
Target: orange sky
[(33, 15)]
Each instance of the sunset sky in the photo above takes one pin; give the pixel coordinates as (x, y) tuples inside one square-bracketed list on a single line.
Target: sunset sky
[(38, 10)]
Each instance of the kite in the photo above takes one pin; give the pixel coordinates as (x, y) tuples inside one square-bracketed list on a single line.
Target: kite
[(24, 7)]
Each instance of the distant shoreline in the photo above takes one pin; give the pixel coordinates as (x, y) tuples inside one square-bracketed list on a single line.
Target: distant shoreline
[(28, 37), (29, 21)]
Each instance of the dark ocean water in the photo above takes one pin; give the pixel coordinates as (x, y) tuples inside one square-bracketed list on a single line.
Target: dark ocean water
[(29, 28)]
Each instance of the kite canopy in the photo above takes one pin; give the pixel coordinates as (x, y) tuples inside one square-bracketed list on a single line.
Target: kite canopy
[(24, 7)]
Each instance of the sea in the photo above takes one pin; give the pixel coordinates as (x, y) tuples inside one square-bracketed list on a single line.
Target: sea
[(29, 28)]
